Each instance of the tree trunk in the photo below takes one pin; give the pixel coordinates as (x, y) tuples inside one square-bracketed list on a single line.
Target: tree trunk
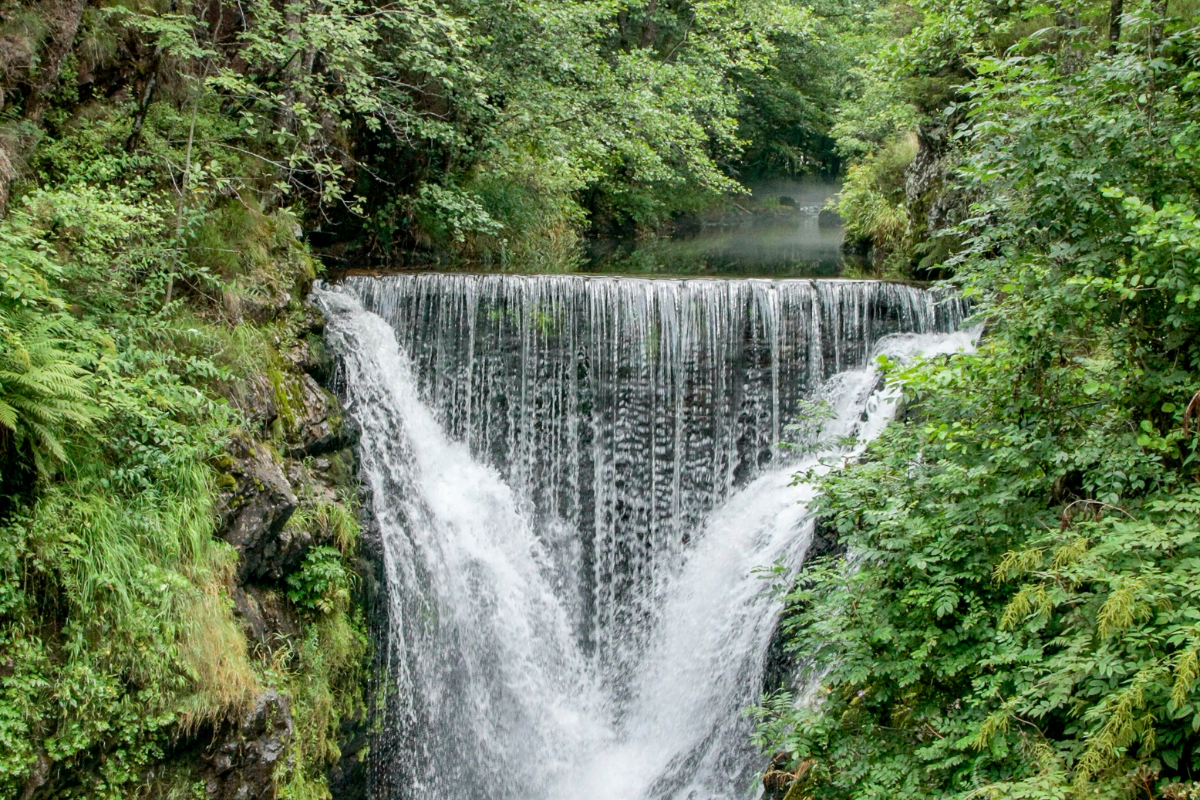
[(1156, 30), (7, 173), (148, 95), (649, 27), (1114, 25), (285, 117), (63, 18), (1070, 56), (135, 135)]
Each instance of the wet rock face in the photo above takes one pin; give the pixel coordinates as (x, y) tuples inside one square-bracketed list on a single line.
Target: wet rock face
[(825, 541), (312, 462), (348, 778), (255, 514), (242, 761), (780, 667), (319, 427), (267, 307), (352, 777), (925, 176), (264, 615), (933, 202)]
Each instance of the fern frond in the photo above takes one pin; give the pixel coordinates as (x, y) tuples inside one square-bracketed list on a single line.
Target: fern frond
[(48, 441), (44, 390), (8, 414)]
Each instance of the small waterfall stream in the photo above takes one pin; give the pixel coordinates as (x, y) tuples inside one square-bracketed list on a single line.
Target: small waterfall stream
[(575, 480)]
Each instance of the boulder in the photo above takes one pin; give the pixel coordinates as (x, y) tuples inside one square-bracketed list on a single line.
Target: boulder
[(318, 426), (255, 514), (828, 218), (241, 761)]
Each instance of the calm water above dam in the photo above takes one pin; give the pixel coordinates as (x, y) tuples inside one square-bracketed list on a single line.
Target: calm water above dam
[(784, 235)]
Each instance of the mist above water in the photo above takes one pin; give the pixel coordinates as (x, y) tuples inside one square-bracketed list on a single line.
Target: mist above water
[(777, 232)]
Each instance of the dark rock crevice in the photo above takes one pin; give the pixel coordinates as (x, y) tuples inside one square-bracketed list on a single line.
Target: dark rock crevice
[(780, 667), (785, 670), (243, 756)]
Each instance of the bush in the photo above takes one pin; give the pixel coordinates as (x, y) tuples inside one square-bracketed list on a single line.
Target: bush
[(872, 200)]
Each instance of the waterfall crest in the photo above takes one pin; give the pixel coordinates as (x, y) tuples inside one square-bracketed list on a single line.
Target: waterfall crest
[(575, 479)]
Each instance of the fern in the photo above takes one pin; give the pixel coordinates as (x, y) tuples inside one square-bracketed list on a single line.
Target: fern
[(43, 386)]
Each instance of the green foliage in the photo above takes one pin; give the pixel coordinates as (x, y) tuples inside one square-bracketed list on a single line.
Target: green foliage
[(106, 242), (332, 523), (908, 84), (786, 111), (872, 200), (623, 110), (1020, 616), (323, 673), (112, 582), (322, 583), (115, 623), (42, 388), (122, 650), (42, 380), (877, 106)]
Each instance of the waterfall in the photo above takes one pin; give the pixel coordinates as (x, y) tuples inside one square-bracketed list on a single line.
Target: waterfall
[(575, 480)]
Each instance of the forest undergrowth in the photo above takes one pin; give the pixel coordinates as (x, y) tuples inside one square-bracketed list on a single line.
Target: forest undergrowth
[(1016, 611)]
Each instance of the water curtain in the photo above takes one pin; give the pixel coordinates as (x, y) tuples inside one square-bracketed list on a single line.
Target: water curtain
[(575, 480)]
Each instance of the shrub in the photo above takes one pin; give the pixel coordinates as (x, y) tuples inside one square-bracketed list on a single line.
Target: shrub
[(322, 583), (872, 200)]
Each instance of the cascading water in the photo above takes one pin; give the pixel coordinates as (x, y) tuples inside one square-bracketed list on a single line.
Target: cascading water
[(575, 480)]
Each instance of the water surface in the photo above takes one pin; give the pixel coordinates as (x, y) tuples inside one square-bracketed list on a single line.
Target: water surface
[(779, 232)]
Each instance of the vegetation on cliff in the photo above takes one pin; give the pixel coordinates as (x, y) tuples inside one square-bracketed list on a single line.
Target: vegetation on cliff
[(117, 636), (150, 278)]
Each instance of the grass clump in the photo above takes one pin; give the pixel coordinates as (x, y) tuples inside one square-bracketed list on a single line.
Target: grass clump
[(872, 201)]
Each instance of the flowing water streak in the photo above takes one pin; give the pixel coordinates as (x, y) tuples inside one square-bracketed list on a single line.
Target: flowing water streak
[(490, 683), (621, 411), (540, 453)]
